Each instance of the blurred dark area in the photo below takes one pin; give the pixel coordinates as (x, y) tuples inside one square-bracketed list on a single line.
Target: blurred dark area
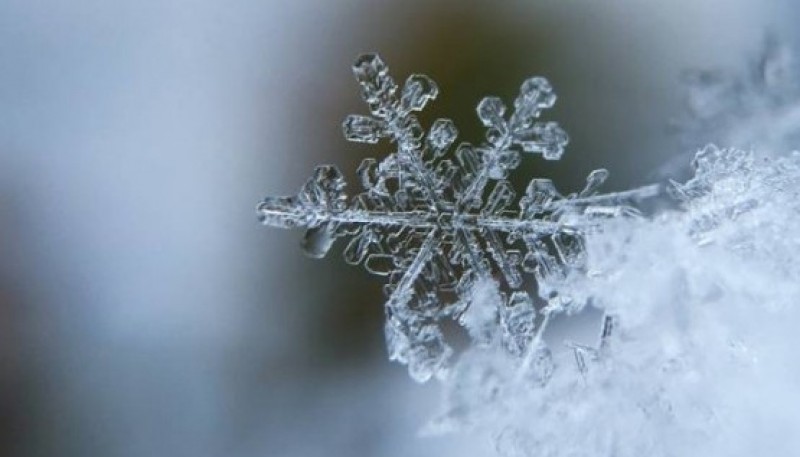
[(144, 311)]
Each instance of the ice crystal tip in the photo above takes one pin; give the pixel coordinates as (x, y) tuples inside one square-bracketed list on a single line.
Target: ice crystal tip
[(436, 225)]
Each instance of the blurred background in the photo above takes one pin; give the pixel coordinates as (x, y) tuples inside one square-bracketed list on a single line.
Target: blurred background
[(144, 311)]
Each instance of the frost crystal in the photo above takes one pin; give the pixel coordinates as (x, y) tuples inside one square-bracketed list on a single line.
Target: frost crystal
[(435, 226)]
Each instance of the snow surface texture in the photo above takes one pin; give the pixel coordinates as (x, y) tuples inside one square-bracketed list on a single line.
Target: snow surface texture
[(695, 353), (702, 358)]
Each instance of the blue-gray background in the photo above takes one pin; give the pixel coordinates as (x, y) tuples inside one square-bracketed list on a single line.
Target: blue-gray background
[(144, 312)]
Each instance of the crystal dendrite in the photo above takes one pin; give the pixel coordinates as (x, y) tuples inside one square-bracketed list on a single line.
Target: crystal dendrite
[(435, 223)]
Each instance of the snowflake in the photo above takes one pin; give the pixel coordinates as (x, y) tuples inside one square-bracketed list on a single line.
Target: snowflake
[(435, 226)]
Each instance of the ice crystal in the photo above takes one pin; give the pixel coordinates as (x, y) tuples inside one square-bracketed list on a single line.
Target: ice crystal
[(732, 185), (436, 224)]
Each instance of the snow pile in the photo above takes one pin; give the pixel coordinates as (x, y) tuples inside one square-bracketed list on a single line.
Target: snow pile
[(702, 357)]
